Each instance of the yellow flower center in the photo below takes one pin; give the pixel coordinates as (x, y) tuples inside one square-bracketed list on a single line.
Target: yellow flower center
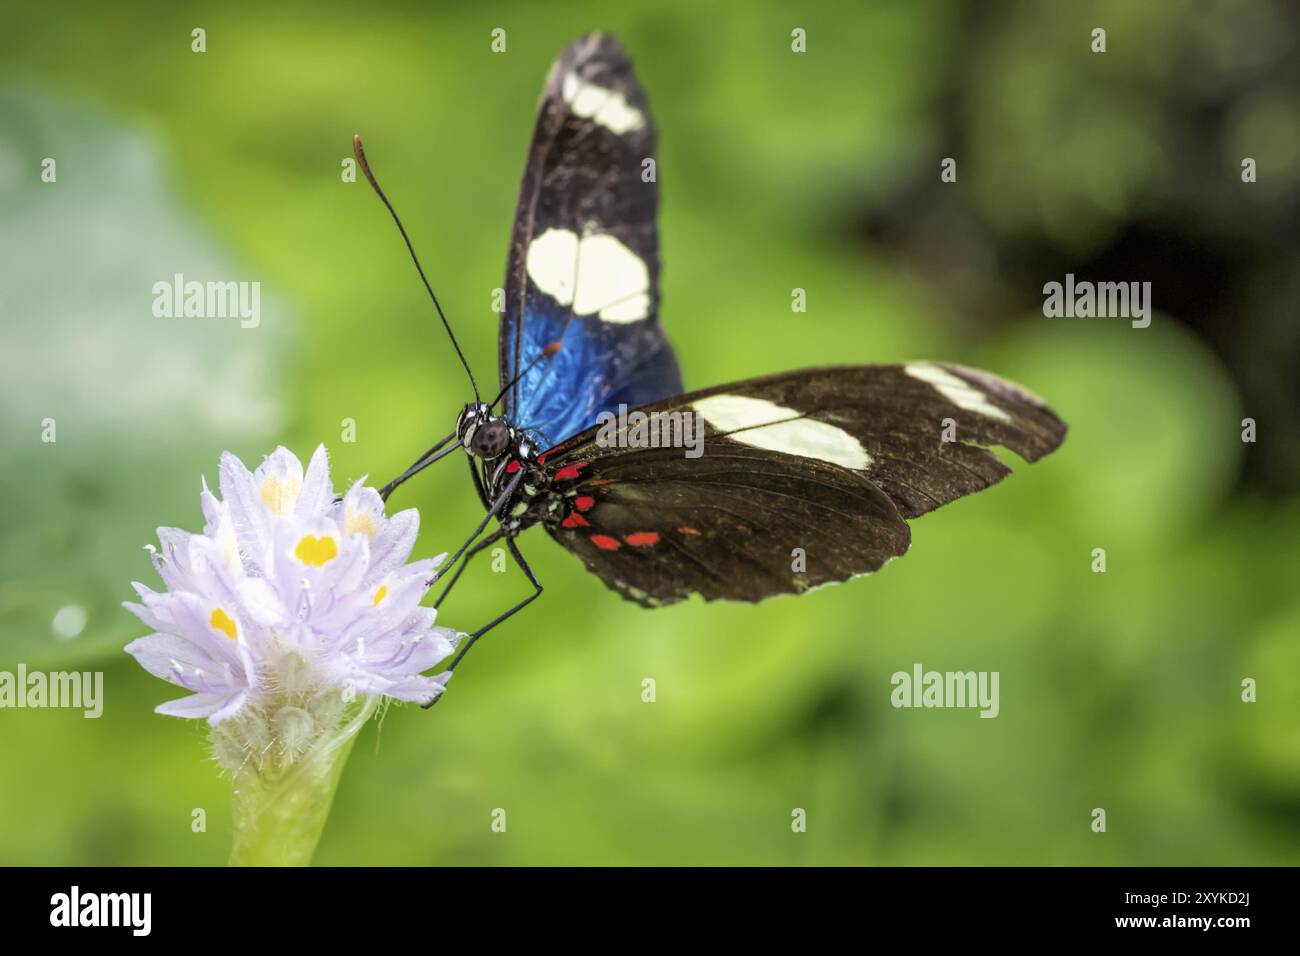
[(223, 622), (279, 494), (381, 593), (316, 551), (359, 522)]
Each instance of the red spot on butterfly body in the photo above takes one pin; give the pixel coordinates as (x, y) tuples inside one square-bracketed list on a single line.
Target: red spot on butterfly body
[(583, 502), (687, 530), (512, 467), (575, 521), (642, 539), (569, 472), (605, 542)]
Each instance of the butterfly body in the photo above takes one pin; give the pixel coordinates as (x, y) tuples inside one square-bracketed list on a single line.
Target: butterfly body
[(515, 479)]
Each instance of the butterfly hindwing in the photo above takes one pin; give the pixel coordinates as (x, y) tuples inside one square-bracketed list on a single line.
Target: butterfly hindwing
[(830, 461), (583, 267), (727, 526)]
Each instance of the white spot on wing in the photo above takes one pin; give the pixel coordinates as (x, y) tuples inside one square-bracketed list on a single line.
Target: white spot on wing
[(607, 107), (550, 262), (763, 424), (958, 391), (611, 280), (996, 385), (631, 309)]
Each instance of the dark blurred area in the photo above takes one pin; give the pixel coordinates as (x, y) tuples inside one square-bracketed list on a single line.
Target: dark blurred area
[(1121, 166)]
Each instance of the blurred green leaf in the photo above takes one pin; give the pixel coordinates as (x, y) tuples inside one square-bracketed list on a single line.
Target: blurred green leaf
[(109, 414)]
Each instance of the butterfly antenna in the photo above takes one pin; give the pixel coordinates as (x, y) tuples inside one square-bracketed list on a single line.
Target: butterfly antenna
[(374, 184), (544, 354)]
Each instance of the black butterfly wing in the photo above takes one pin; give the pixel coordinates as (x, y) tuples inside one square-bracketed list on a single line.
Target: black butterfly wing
[(583, 267), (830, 461), (726, 526)]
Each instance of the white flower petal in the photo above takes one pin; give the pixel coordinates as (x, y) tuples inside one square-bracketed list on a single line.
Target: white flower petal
[(392, 546), (208, 501), (216, 707), (279, 481), (261, 603), (317, 494), (247, 513)]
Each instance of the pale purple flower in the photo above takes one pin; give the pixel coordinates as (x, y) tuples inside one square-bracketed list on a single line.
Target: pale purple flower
[(288, 596)]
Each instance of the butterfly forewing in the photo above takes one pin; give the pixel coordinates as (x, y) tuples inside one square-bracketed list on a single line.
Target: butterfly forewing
[(583, 266)]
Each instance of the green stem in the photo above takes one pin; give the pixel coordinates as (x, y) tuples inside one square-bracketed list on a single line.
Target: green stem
[(280, 809)]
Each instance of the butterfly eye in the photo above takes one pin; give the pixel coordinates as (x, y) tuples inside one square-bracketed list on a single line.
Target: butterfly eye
[(490, 439)]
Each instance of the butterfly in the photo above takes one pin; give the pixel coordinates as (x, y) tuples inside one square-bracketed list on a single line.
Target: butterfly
[(834, 460)]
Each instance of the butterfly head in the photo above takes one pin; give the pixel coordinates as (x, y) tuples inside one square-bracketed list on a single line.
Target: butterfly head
[(483, 434)]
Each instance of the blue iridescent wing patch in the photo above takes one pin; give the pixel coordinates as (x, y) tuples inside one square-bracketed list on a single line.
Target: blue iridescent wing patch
[(583, 267)]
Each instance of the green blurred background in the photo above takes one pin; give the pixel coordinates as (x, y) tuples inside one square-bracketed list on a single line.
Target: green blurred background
[(778, 170)]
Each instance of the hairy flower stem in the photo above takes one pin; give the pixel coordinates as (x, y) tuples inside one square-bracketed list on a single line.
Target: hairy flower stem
[(281, 802)]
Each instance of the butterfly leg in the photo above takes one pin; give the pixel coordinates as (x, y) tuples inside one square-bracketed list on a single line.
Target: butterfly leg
[(495, 509), (490, 540), (421, 463), (474, 636), (537, 589)]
